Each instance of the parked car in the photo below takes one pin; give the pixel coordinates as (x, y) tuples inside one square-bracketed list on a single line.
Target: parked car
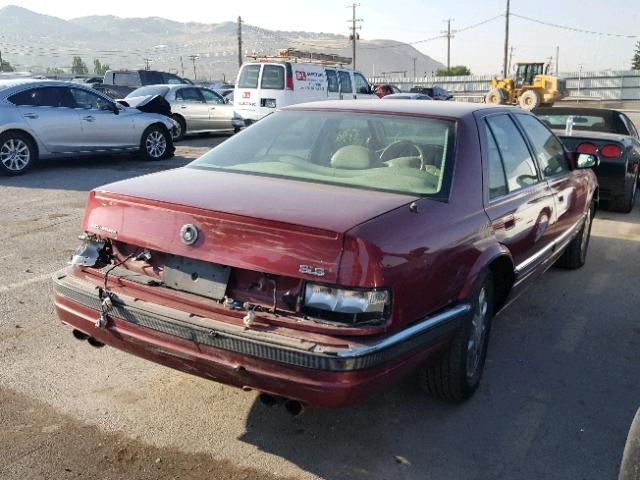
[(227, 94), (407, 96), (330, 249), (435, 92), (195, 109), (47, 119), (384, 89), (120, 83), (610, 135), (264, 86)]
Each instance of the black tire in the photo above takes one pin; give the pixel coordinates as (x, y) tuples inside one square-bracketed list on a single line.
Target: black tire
[(457, 374), (183, 127), (625, 204), (575, 255), (156, 143), (18, 153), (236, 130)]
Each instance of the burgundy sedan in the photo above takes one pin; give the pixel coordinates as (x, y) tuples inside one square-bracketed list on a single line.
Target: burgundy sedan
[(332, 248)]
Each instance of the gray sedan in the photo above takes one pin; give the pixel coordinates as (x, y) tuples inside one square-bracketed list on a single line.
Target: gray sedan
[(195, 109), (46, 119)]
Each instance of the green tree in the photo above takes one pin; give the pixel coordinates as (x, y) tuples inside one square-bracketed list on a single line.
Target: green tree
[(100, 68), (78, 67), (453, 71), (54, 70), (6, 67), (635, 61)]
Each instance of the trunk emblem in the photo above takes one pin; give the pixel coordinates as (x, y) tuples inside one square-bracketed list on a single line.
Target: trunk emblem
[(189, 234), (310, 270)]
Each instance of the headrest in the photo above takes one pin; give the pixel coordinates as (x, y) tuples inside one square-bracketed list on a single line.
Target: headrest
[(352, 157)]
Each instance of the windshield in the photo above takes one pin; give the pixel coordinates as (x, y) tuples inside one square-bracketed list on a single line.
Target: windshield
[(362, 150), (152, 90), (593, 122)]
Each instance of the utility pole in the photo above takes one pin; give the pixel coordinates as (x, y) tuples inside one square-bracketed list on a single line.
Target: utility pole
[(414, 66), (580, 65), (1, 64), (506, 41), (355, 36), (557, 60), (147, 63), (193, 59), (239, 41), (449, 34), (510, 58), (549, 62), (181, 66)]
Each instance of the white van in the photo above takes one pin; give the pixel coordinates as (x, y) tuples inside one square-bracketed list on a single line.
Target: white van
[(261, 87)]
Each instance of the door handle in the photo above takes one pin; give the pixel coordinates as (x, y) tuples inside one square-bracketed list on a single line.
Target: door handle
[(88, 118), (183, 106), (561, 199), (509, 223), (30, 115)]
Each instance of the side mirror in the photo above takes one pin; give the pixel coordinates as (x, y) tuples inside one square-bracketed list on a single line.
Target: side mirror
[(586, 160)]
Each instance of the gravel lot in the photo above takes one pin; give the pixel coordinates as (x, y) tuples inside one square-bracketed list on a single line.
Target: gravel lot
[(560, 387)]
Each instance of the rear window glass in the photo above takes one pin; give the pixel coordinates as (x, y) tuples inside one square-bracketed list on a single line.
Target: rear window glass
[(44, 97), (375, 152), (332, 81), (249, 76), (126, 78), (272, 77)]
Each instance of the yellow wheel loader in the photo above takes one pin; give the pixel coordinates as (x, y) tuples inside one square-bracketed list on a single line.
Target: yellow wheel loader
[(532, 87)]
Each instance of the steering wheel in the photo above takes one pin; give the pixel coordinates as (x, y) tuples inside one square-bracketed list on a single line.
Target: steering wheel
[(397, 148)]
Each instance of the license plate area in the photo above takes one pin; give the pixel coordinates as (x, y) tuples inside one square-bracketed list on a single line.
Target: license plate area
[(195, 276)]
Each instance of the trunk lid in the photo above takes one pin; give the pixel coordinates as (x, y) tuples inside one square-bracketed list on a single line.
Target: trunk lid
[(246, 221)]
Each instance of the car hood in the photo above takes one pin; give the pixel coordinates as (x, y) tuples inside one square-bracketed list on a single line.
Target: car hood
[(313, 205), (147, 104)]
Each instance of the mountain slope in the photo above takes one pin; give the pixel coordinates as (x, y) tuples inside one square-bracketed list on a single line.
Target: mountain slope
[(38, 41)]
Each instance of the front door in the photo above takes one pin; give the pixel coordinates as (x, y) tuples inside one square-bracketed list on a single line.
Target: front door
[(346, 86), (520, 203), (102, 128), (191, 105), (220, 113), (333, 85)]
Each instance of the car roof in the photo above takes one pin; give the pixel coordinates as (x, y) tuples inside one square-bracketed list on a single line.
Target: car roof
[(409, 107), (7, 87)]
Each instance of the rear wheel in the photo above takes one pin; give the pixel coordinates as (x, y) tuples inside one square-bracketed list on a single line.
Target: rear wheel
[(529, 100), (496, 96), (575, 255), (156, 143), (457, 375), (182, 128), (625, 204), (17, 153)]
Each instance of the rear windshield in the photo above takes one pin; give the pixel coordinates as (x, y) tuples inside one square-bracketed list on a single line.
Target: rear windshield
[(151, 90), (590, 122), (249, 76), (273, 77), (360, 150)]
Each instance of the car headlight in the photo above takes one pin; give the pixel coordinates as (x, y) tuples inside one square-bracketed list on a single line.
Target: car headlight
[(346, 305)]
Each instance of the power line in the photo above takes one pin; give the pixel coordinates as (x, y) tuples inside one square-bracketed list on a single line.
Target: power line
[(574, 29)]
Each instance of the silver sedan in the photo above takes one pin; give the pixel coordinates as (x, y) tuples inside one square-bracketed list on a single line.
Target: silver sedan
[(195, 109), (46, 119)]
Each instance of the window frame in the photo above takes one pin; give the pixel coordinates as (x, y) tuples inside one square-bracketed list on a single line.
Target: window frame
[(95, 94), (202, 100), (327, 71), (357, 75), (342, 73), (271, 65), (532, 147), (217, 95), (485, 156), (42, 87)]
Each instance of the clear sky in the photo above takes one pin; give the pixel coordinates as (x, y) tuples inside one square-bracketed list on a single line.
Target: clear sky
[(479, 48)]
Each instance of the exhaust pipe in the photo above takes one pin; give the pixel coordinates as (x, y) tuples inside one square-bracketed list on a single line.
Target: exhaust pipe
[(267, 400), (95, 343), (78, 335), (294, 407)]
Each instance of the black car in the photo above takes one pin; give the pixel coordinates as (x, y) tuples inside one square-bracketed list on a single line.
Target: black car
[(612, 136), (435, 92), (120, 83)]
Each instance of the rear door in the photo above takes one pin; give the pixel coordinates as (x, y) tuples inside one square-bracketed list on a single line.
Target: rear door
[(519, 202), (48, 112), (570, 194), (102, 128), (246, 96), (333, 85), (191, 105)]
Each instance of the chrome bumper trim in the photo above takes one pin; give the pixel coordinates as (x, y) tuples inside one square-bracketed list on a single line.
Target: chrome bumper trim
[(214, 333)]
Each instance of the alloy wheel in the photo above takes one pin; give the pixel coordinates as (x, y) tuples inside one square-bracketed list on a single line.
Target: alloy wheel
[(156, 144), (475, 345), (15, 154)]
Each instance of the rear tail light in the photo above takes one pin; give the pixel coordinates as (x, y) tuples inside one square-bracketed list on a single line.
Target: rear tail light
[(289, 76), (289, 83), (611, 151), (589, 148)]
